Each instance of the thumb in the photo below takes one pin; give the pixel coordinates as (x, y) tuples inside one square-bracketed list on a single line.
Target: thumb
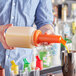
[(7, 26)]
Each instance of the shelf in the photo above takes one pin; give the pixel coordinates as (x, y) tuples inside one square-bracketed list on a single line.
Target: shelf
[(54, 70)]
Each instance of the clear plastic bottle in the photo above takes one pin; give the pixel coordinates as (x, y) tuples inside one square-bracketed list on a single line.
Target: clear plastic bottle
[(66, 27), (56, 51)]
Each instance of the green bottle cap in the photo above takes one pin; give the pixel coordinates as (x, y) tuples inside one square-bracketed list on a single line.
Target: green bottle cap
[(26, 64)]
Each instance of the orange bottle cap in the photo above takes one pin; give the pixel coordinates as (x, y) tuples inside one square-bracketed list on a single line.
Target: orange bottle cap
[(35, 37)]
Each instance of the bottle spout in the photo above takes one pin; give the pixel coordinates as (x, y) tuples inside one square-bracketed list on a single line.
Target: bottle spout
[(41, 38), (13, 62), (25, 61), (27, 65), (62, 41), (39, 63), (37, 57)]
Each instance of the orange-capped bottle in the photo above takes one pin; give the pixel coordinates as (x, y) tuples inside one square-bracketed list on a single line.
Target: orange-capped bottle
[(28, 37)]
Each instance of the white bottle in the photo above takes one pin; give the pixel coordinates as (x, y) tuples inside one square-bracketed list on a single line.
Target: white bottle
[(56, 51), (74, 42)]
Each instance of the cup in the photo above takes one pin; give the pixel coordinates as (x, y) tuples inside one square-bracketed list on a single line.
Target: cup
[(68, 63)]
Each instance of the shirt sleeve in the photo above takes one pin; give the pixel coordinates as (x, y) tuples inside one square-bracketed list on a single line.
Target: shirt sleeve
[(44, 13)]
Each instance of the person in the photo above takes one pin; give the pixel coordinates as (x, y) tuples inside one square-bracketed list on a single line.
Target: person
[(22, 13)]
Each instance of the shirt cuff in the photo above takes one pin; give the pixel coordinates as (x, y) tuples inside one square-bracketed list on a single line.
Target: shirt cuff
[(42, 24)]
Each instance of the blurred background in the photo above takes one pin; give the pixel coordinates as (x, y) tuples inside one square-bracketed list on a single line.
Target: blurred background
[(64, 12)]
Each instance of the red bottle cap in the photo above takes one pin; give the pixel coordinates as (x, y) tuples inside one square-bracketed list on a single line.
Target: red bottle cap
[(39, 63)]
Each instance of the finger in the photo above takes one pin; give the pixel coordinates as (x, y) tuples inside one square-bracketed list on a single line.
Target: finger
[(5, 44), (6, 27), (50, 32), (44, 43), (50, 44)]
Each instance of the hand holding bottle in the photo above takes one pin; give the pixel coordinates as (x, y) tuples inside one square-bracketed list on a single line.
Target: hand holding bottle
[(2, 36), (48, 29)]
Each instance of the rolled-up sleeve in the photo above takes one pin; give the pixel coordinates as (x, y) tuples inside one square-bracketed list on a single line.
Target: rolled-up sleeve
[(44, 13)]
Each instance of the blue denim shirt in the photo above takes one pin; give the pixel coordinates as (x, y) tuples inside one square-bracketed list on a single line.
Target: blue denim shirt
[(22, 13)]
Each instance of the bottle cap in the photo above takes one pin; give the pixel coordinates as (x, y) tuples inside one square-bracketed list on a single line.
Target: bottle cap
[(26, 65), (14, 67), (35, 37), (39, 63), (13, 62)]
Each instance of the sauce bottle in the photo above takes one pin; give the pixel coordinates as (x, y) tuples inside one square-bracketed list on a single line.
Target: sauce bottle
[(28, 37)]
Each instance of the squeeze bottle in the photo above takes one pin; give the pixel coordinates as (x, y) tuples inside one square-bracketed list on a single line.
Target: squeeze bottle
[(14, 68), (28, 37), (27, 65), (39, 63)]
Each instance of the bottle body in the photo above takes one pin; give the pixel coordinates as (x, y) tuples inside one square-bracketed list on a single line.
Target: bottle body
[(20, 37), (73, 14)]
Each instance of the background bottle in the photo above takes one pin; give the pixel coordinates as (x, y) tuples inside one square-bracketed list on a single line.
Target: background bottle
[(73, 15), (74, 42)]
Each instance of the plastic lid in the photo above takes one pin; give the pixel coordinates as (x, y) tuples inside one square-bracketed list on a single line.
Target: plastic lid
[(39, 63), (13, 62)]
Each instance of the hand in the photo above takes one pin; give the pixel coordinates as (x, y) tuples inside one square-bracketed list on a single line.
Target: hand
[(2, 36), (48, 29)]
